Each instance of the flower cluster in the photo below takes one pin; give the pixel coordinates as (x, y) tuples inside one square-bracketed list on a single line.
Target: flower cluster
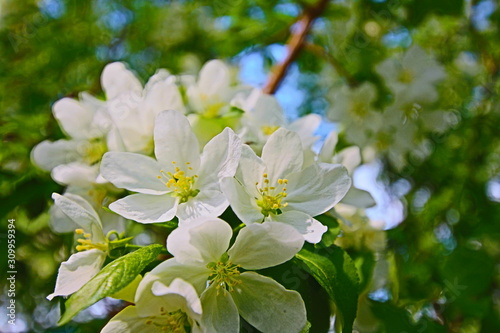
[(188, 149), (411, 79)]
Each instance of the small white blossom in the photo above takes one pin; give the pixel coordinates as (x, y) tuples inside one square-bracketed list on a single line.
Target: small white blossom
[(181, 182), (85, 264), (277, 187), (202, 257)]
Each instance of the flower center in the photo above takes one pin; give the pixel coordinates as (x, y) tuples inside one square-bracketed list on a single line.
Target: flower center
[(87, 244), (180, 183), (175, 322), (213, 106), (224, 274), (93, 151), (271, 200), (268, 129), (406, 76), (359, 109)]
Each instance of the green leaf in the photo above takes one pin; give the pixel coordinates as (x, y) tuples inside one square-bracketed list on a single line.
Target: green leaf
[(336, 273), (115, 276)]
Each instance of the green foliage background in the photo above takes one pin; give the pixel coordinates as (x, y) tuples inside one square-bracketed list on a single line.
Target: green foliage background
[(444, 258)]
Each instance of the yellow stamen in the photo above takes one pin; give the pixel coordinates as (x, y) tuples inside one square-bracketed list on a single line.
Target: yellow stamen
[(180, 182)]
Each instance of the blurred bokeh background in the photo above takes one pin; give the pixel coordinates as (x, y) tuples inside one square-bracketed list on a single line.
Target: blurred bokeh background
[(436, 182)]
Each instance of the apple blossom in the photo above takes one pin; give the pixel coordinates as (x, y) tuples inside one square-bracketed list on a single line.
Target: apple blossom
[(181, 182)]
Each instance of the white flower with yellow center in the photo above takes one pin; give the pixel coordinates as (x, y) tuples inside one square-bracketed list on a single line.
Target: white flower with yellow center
[(415, 73), (263, 116), (74, 161), (223, 276), (92, 248), (277, 188), (181, 182), (175, 308), (212, 92)]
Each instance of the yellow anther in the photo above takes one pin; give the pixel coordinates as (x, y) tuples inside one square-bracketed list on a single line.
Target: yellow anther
[(225, 275), (86, 242), (181, 184), (271, 200)]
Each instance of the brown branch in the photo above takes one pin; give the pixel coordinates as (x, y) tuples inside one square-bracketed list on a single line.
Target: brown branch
[(295, 44)]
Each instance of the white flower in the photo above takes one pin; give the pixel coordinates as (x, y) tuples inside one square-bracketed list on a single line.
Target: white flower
[(416, 73), (83, 265), (133, 110), (263, 116), (169, 309), (209, 98), (181, 182), (353, 108), (277, 188), (73, 161), (211, 94), (201, 257)]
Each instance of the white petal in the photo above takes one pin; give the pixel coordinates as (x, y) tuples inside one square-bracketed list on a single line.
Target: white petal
[(74, 118), (202, 243), (310, 228), (328, 148), (219, 311), (175, 141), (349, 157), (268, 306), (146, 208), (243, 204), (81, 213), (179, 295), (208, 203), (358, 198), (60, 222), (117, 79), (282, 154), (164, 95), (78, 270), (317, 188), (219, 159), (305, 126), (214, 78), (166, 272), (134, 172), (48, 155), (265, 245), (251, 169), (75, 173), (129, 321)]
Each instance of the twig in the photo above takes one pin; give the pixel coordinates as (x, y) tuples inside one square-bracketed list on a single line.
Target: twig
[(295, 44)]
